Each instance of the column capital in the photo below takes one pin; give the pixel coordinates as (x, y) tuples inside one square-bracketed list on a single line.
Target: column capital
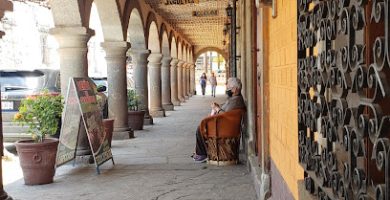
[(115, 49), (188, 65), (180, 63), (134, 51), (166, 61), (155, 58), (174, 62), (72, 36), (138, 55)]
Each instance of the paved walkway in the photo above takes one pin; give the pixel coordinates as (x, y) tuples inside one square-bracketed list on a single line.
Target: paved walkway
[(153, 166)]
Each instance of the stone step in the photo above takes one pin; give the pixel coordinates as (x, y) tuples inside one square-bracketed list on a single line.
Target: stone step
[(8, 116), (13, 137), (12, 131), (14, 128)]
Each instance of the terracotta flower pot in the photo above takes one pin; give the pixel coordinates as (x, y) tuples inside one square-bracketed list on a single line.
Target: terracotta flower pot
[(108, 127), (37, 160), (136, 119)]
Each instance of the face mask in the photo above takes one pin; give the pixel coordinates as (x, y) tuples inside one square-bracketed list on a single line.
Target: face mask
[(229, 93)]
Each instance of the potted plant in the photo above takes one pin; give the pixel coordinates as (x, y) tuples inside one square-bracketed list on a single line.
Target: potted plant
[(136, 116), (41, 113), (108, 123)]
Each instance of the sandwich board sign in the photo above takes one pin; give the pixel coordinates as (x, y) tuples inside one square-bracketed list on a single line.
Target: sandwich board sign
[(81, 106)]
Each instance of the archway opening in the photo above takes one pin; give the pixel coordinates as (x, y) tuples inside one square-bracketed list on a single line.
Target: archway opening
[(211, 62), (154, 47), (97, 65), (136, 37)]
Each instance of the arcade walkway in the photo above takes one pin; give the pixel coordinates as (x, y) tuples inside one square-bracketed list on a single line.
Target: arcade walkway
[(154, 166)]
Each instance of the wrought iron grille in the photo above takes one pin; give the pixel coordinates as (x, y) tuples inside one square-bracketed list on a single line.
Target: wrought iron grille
[(343, 102)]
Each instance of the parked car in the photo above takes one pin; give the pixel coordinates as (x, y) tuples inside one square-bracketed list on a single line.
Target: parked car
[(17, 85), (101, 81)]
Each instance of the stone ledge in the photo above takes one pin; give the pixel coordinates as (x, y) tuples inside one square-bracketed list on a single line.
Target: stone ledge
[(176, 103), (168, 107), (157, 113), (261, 181), (123, 135), (148, 120)]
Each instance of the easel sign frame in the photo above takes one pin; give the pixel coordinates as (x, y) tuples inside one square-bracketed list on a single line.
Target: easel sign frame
[(81, 102)]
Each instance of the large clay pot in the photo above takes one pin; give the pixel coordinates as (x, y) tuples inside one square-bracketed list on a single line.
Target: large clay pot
[(37, 160), (108, 128), (136, 119)]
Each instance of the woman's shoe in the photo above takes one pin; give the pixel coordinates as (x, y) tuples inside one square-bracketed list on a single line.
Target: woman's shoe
[(200, 158)]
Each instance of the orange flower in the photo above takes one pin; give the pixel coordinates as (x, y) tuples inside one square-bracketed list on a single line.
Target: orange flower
[(17, 116), (31, 97)]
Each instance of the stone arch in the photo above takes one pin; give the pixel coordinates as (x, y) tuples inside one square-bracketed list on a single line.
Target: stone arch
[(174, 48), (185, 52), (220, 51), (77, 14), (153, 38), (110, 20), (135, 30), (180, 50), (164, 41), (165, 45), (191, 54), (97, 65)]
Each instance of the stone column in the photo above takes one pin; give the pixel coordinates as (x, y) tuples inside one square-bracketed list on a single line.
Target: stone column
[(180, 81), (73, 53), (140, 61), (154, 71), (189, 80), (185, 89), (192, 71), (73, 50), (174, 93), (166, 83), (117, 87), (184, 80)]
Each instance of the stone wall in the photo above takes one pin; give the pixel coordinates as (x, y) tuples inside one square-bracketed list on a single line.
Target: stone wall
[(280, 55), (25, 45)]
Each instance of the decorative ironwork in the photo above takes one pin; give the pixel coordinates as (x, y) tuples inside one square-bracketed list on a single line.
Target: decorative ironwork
[(343, 87)]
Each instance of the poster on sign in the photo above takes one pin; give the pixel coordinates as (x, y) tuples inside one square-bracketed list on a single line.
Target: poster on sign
[(70, 127), (83, 91)]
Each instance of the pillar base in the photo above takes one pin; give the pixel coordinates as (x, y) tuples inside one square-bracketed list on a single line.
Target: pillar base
[(176, 103), (168, 107), (122, 133), (187, 97), (157, 113), (4, 196), (148, 120)]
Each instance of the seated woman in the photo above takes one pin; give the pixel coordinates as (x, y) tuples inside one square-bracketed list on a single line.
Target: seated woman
[(234, 101)]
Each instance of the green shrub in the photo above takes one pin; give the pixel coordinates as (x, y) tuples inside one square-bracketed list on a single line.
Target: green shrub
[(132, 100), (41, 113)]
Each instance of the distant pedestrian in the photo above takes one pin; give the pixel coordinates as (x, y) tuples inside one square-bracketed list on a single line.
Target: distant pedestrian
[(203, 80), (213, 83)]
